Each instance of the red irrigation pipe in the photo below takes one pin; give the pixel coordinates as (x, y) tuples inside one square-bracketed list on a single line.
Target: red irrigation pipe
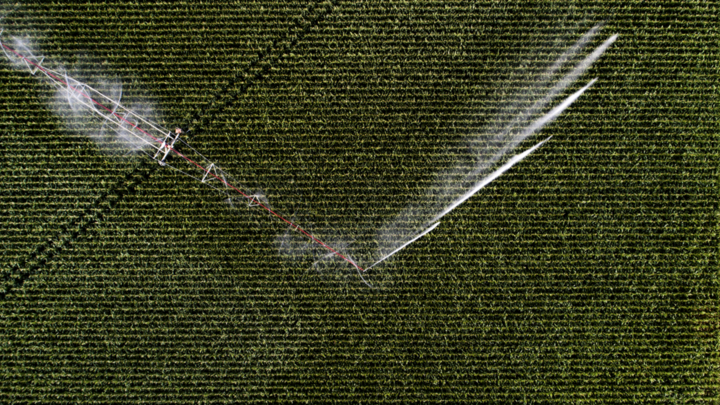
[(162, 143)]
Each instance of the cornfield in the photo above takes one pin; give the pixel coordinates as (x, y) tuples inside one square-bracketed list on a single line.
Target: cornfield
[(586, 274)]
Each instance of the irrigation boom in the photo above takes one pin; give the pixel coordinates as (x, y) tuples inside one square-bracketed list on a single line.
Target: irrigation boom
[(146, 135), (151, 135)]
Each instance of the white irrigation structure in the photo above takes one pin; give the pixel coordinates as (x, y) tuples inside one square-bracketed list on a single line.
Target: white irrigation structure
[(161, 144), (151, 138)]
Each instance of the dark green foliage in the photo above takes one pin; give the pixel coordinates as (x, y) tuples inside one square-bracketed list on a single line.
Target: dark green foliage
[(586, 274)]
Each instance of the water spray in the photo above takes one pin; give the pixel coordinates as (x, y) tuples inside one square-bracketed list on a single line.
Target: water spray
[(163, 146), (449, 192), (151, 135)]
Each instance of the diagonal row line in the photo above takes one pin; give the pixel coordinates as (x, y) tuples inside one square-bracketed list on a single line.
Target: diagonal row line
[(45, 251), (222, 98), (259, 67)]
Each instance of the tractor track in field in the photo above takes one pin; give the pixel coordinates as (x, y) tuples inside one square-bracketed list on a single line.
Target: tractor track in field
[(259, 67), (222, 98)]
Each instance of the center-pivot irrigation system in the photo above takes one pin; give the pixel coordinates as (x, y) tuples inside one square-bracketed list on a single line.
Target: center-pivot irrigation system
[(125, 123), (159, 143)]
